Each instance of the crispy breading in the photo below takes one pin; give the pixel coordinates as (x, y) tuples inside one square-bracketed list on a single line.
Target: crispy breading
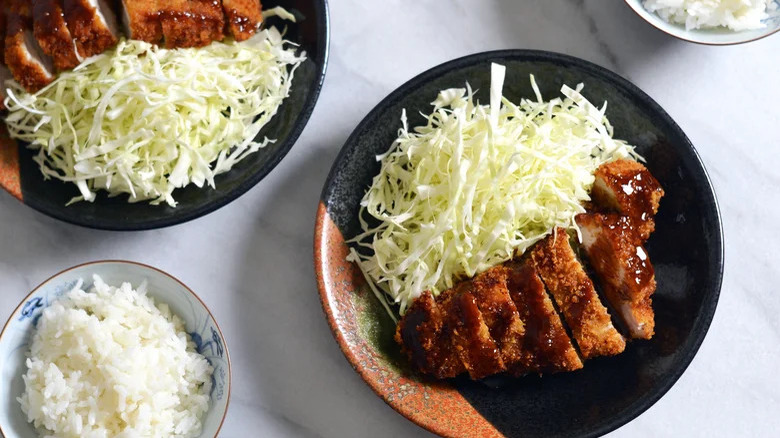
[(628, 188), (573, 291), (545, 346), (623, 268), (52, 33), (426, 341), (499, 312), (29, 66), (191, 23), (470, 335), (243, 17), (142, 19), (92, 24)]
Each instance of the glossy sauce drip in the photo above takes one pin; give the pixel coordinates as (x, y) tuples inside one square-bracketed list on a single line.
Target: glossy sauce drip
[(478, 351), (46, 15), (79, 18), (636, 189), (185, 16), (545, 339), (241, 22), (638, 265)]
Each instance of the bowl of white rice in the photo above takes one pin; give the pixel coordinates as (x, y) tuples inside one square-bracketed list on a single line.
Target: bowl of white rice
[(712, 22), (113, 349)]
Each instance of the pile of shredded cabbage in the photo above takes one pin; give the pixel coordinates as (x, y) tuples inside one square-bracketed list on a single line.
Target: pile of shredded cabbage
[(143, 120), (476, 185)]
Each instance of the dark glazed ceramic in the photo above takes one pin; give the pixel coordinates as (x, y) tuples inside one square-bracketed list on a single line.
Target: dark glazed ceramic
[(686, 249), (23, 180)]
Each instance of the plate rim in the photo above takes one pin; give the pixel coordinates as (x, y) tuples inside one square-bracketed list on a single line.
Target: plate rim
[(709, 304), (302, 120)]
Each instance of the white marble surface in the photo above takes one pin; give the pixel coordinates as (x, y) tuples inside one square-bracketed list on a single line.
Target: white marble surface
[(251, 261)]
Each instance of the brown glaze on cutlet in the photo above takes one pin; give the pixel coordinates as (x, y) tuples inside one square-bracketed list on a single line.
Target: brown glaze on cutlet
[(628, 188), (546, 345), (573, 291), (622, 266)]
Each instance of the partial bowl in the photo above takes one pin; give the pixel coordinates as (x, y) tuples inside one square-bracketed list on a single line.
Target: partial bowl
[(20, 176), (714, 37), (686, 250), (198, 321)]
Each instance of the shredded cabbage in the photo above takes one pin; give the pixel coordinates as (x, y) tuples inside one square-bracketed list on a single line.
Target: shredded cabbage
[(477, 185), (144, 120)]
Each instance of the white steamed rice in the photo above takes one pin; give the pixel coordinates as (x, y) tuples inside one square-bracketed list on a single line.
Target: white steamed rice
[(111, 363), (737, 15)]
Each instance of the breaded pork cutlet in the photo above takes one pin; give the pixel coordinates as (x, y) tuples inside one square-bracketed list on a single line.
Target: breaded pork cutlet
[(470, 335), (565, 278), (142, 20), (426, 340), (23, 56), (211, 20), (545, 346), (499, 312), (191, 23), (623, 268), (93, 25), (52, 33), (628, 188), (243, 17)]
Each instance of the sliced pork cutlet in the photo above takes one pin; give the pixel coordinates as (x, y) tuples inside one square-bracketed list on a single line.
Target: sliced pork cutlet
[(469, 334), (211, 20), (243, 17), (628, 188), (423, 338), (142, 20), (623, 268), (93, 25), (499, 312), (191, 23), (546, 347), (52, 33), (23, 56), (583, 312)]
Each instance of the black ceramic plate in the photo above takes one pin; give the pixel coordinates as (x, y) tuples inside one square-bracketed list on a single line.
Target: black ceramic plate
[(24, 180), (686, 249)]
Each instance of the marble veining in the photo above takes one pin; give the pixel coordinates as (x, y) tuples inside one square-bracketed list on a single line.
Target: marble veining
[(251, 262)]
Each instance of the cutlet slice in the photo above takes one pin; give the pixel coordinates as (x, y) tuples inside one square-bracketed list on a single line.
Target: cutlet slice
[(469, 334), (628, 188), (52, 33), (92, 24), (422, 336), (211, 20), (243, 17), (191, 23), (499, 312), (23, 56), (142, 20), (623, 268), (546, 346), (575, 296)]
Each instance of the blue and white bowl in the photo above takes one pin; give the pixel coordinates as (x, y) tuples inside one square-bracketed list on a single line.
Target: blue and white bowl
[(199, 322), (715, 37)]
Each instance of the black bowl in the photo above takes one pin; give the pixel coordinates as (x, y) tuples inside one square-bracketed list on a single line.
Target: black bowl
[(312, 33), (686, 249)]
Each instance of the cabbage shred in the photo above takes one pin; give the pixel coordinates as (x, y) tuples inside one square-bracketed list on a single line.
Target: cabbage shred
[(476, 186), (143, 120)]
